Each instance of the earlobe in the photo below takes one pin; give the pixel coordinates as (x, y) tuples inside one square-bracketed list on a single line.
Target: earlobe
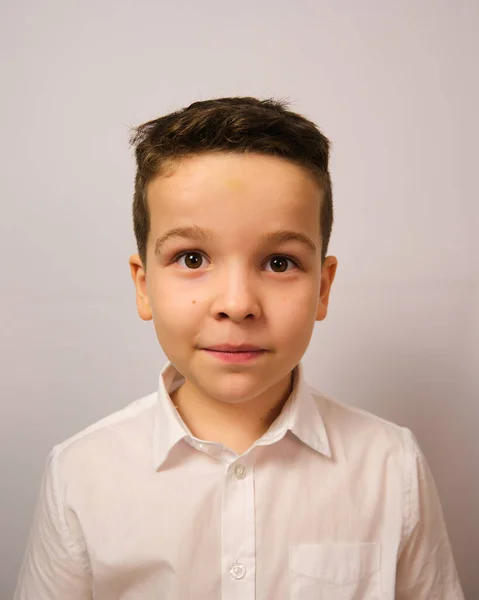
[(139, 279)]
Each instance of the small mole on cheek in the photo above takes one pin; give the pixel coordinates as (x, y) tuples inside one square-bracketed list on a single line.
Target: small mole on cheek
[(193, 302)]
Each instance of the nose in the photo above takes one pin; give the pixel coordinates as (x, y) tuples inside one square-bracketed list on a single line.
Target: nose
[(236, 295)]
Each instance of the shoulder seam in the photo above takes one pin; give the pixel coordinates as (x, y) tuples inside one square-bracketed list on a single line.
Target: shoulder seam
[(409, 457), (72, 547)]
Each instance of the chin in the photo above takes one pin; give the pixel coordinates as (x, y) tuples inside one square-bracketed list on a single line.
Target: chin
[(236, 387)]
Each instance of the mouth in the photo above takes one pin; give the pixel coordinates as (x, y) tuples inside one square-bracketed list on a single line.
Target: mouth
[(235, 354), (235, 348)]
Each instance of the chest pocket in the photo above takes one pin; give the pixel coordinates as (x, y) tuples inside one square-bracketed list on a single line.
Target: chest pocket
[(335, 571)]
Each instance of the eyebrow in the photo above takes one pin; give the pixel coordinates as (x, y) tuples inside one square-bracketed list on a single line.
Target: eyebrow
[(201, 234)]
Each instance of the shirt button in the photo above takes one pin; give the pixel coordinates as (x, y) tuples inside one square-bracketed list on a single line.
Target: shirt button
[(240, 471), (238, 571)]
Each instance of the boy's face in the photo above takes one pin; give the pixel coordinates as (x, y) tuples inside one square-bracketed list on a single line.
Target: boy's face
[(236, 283)]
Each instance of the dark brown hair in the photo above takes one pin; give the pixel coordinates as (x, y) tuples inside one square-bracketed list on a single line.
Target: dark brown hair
[(240, 124)]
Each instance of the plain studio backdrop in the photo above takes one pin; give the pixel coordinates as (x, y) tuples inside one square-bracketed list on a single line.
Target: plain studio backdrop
[(395, 87)]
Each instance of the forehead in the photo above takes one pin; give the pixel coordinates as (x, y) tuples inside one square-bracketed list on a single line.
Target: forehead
[(233, 192)]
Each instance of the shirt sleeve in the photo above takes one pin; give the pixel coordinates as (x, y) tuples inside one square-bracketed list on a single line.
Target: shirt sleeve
[(54, 565), (425, 567)]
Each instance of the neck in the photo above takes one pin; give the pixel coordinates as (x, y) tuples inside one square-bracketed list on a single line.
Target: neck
[(210, 420)]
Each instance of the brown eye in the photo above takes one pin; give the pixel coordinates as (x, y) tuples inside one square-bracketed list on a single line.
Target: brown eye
[(279, 264), (193, 260)]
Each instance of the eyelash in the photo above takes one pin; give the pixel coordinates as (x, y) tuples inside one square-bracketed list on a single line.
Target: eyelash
[(295, 262)]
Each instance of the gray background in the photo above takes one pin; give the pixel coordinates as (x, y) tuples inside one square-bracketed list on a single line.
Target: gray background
[(393, 84)]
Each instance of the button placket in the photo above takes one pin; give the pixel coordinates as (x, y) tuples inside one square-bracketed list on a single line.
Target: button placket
[(238, 533)]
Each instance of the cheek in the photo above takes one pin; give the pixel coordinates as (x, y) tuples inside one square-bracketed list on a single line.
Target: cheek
[(294, 314), (176, 309), (297, 315), (301, 299)]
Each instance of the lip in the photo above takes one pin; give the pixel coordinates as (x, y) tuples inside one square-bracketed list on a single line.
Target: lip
[(236, 357), (234, 348)]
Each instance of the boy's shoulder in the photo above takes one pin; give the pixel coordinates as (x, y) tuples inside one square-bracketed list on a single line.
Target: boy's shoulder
[(329, 406), (348, 425), (128, 429)]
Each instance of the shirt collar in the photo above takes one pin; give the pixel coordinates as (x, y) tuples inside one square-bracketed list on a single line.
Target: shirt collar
[(300, 415), (168, 428)]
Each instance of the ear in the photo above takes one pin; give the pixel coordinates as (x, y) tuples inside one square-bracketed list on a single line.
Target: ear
[(139, 279), (328, 272)]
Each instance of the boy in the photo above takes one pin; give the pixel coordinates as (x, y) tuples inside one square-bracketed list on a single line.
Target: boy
[(236, 480)]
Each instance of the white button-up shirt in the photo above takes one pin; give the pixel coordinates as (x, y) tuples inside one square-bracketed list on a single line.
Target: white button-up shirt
[(331, 502)]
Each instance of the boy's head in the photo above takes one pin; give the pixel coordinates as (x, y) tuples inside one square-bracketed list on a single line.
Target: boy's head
[(232, 216)]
